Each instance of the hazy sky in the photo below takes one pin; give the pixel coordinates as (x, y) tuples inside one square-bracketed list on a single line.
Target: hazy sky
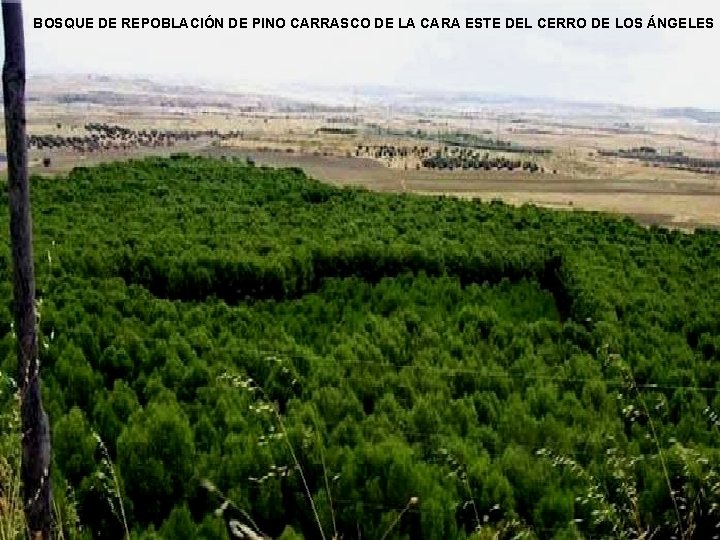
[(644, 67)]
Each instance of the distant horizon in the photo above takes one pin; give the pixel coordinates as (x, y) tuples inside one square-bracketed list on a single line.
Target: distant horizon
[(290, 90), (639, 67)]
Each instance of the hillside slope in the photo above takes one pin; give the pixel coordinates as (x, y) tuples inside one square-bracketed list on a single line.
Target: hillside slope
[(430, 365)]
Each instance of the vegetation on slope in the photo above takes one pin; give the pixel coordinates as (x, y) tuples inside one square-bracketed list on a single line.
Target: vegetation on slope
[(339, 361)]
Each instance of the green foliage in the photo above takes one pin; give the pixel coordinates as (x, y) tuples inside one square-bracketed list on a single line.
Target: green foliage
[(216, 320), (156, 458), (179, 525), (74, 445)]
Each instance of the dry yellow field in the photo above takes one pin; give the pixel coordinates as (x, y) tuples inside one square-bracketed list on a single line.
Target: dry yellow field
[(576, 176)]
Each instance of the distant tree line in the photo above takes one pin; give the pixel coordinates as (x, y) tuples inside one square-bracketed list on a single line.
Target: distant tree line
[(653, 156), (103, 137)]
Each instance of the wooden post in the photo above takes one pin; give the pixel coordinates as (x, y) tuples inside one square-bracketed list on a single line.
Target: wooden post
[(35, 469)]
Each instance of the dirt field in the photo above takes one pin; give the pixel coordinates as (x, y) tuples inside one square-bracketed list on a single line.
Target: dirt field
[(681, 204), (276, 132), (684, 203)]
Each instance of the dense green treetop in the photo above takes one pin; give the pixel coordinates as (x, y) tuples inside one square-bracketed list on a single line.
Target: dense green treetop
[(214, 321)]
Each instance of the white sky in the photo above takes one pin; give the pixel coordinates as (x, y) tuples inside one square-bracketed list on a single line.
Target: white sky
[(641, 67)]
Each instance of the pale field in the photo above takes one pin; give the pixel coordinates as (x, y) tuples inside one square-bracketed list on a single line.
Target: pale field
[(685, 212), (582, 179)]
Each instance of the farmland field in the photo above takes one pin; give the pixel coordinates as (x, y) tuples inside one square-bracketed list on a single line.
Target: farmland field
[(331, 143)]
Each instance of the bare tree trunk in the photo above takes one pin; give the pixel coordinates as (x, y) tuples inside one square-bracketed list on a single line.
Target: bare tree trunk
[(36, 433)]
